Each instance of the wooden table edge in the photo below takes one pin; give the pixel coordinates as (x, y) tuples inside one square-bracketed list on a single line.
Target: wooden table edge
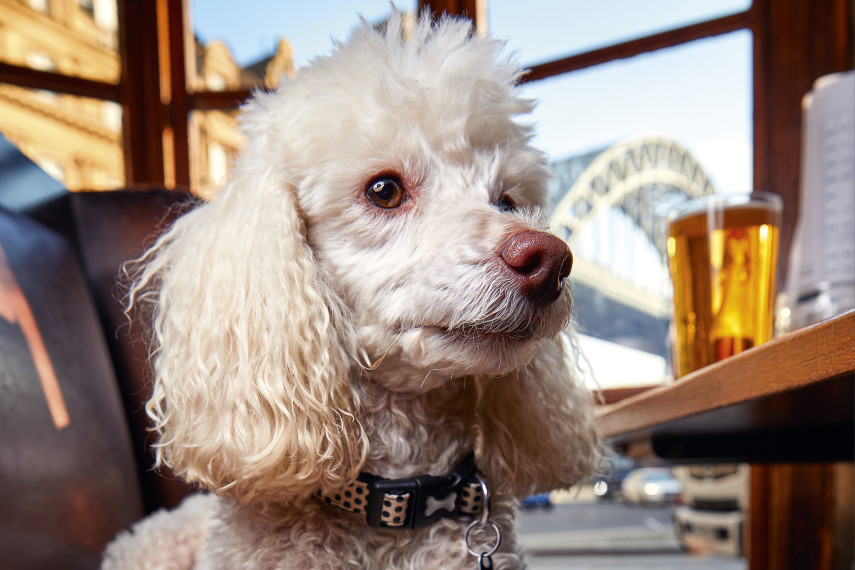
[(815, 353)]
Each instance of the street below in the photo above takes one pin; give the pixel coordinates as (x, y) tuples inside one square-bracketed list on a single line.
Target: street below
[(586, 534)]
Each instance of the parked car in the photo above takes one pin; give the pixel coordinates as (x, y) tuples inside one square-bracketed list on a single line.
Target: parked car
[(712, 516), (649, 486), (615, 468), (538, 500)]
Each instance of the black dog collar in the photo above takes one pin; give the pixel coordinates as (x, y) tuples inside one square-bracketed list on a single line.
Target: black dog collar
[(413, 502)]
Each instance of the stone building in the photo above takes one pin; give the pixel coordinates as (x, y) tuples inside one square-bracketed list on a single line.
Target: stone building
[(79, 140)]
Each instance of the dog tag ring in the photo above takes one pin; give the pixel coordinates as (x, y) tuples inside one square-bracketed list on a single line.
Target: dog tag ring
[(484, 554)]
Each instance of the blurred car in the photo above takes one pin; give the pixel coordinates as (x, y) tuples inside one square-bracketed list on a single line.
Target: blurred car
[(652, 486), (607, 485), (715, 498), (539, 500)]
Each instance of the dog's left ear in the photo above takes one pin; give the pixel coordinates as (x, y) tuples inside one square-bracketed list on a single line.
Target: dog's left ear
[(537, 426)]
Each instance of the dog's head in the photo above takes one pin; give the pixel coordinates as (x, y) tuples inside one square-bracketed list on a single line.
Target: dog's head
[(387, 207), (422, 197)]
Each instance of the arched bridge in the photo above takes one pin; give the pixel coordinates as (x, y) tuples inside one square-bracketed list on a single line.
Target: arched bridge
[(641, 177)]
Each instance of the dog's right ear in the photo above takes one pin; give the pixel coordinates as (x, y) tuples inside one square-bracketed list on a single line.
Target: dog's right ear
[(251, 349)]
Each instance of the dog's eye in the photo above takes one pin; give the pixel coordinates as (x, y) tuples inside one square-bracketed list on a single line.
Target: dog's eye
[(386, 192), (505, 204)]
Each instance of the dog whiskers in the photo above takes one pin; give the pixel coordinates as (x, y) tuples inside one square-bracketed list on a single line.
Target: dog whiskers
[(425, 378), (373, 366)]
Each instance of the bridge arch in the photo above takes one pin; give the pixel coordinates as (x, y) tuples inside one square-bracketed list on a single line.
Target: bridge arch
[(641, 177)]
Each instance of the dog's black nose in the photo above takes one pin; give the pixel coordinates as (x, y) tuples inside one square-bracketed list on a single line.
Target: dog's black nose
[(539, 262)]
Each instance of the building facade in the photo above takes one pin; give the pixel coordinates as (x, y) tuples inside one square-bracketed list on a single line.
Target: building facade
[(78, 140)]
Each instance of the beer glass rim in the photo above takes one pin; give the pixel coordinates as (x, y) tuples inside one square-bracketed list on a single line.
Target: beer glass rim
[(725, 199)]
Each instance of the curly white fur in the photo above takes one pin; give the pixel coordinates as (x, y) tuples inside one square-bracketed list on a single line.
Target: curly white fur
[(301, 334)]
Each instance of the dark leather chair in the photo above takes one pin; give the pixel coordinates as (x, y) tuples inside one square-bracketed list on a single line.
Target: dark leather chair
[(107, 229), (68, 478), (74, 463)]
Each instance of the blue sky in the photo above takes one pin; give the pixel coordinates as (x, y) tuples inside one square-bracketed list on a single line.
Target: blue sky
[(251, 28)]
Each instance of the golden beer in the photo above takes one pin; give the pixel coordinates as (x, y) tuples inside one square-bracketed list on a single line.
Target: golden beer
[(722, 253)]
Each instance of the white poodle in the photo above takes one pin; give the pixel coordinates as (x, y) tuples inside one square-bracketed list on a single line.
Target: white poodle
[(368, 302)]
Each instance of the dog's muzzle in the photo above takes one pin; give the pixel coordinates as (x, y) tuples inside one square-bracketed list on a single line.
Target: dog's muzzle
[(413, 502)]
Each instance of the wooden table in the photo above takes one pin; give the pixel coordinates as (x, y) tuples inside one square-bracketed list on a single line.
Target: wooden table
[(787, 408), (792, 399)]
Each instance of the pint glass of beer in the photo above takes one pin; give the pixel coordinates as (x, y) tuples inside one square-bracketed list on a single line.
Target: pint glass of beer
[(722, 253)]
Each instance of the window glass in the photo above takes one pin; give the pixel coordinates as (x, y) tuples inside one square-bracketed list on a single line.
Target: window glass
[(603, 128), (240, 44), (76, 140), (214, 145), (252, 43), (73, 37), (549, 29), (698, 94)]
